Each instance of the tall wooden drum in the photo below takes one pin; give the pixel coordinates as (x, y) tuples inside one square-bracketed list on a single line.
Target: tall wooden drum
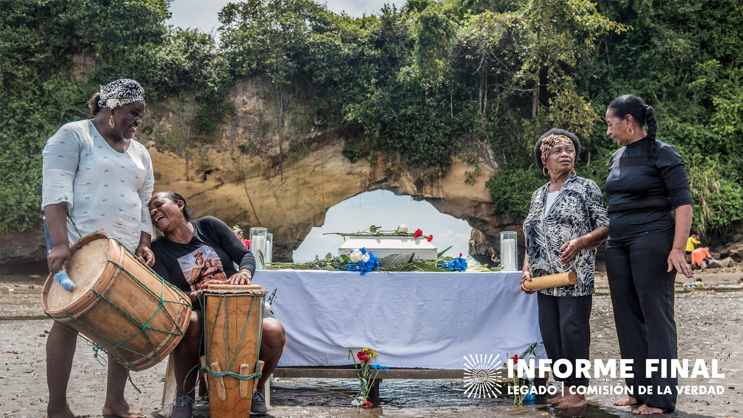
[(119, 303), (233, 323)]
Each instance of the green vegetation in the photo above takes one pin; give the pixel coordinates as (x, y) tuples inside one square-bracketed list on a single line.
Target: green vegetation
[(428, 80)]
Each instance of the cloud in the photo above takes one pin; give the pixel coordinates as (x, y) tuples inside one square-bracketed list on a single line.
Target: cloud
[(203, 15)]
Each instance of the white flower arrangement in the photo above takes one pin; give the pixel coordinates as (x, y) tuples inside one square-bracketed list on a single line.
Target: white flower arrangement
[(357, 255)]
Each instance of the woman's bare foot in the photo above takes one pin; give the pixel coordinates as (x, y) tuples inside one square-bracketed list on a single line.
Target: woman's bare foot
[(572, 401), (556, 400), (648, 410), (131, 413), (626, 401), (62, 412)]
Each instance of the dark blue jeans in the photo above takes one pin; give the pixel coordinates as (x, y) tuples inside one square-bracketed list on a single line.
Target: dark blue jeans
[(643, 298)]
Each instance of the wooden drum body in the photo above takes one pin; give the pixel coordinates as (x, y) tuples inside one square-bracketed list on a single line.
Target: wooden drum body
[(118, 303), (233, 323)]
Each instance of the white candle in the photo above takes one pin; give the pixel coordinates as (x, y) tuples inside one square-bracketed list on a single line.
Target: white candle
[(508, 255), (258, 244)]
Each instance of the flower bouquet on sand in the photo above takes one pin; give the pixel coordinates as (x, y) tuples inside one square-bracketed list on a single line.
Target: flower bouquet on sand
[(367, 374), (522, 387)]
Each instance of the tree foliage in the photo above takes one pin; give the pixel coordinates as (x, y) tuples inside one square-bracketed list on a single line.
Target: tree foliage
[(426, 80)]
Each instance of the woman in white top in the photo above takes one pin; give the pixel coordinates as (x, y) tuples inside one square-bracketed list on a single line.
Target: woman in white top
[(95, 177)]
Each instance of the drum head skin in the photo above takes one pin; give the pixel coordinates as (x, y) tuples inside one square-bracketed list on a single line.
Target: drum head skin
[(85, 267)]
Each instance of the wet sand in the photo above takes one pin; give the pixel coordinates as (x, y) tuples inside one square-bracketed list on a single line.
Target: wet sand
[(709, 327)]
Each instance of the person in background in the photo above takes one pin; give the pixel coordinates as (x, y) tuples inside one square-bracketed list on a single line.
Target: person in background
[(647, 182), (83, 162), (691, 243), (567, 219), (494, 259), (701, 258), (186, 239)]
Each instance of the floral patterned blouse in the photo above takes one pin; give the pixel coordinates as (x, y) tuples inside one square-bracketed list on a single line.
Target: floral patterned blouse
[(577, 210)]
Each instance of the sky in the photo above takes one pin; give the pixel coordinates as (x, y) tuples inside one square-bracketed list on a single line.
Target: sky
[(202, 14), (384, 208), (359, 212)]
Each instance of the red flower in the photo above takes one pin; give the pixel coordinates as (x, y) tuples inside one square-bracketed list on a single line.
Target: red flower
[(366, 404), (460, 254), (362, 355), (364, 358), (515, 358), (430, 237), (418, 233), (246, 242)]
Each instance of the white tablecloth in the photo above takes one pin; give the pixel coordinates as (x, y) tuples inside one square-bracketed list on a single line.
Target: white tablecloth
[(426, 320)]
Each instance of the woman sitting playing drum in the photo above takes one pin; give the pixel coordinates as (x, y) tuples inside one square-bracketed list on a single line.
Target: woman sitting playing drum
[(183, 241)]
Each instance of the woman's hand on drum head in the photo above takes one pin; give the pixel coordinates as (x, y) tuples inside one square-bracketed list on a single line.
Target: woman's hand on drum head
[(241, 277), (58, 258)]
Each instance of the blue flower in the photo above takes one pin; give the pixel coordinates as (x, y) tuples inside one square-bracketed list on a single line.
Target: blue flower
[(458, 264)]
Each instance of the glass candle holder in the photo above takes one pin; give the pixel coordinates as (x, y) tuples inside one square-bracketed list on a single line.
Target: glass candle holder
[(269, 248), (258, 238), (508, 251)]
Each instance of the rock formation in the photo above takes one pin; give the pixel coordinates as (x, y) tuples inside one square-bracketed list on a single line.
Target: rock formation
[(238, 179)]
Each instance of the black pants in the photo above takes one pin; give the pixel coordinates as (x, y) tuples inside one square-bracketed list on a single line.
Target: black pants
[(642, 296), (566, 333)]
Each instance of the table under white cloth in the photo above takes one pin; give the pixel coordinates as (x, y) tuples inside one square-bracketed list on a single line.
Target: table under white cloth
[(416, 320)]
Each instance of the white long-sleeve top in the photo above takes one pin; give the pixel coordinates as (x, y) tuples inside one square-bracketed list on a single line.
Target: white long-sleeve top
[(104, 189)]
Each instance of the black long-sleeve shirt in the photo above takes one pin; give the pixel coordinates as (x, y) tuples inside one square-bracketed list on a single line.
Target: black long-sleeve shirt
[(213, 252), (634, 178)]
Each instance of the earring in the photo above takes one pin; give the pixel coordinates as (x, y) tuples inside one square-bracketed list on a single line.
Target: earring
[(545, 171), (630, 131), (111, 122)]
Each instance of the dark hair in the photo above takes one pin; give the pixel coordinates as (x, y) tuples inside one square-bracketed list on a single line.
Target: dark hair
[(175, 197), (554, 131), (94, 104), (642, 112)]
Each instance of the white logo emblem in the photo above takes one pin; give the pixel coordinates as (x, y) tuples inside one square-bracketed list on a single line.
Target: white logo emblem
[(481, 376)]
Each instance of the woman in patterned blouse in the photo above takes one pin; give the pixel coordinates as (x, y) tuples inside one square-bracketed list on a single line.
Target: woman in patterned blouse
[(567, 220)]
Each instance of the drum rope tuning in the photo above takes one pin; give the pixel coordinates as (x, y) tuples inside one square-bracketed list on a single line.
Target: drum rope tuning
[(257, 374)]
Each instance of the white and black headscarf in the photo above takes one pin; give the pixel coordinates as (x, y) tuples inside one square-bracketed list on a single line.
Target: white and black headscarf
[(121, 92)]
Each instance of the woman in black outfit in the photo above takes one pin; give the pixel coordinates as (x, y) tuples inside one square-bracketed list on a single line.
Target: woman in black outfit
[(647, 181), (184, 244)]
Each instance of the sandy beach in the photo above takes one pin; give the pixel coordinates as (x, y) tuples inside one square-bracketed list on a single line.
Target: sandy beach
[(709, 327)]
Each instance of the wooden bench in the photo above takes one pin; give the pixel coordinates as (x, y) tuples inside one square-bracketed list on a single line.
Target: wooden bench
[(349, 372)]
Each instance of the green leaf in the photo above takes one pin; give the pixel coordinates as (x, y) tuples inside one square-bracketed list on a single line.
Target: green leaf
[(442, 252), (329, 267), (328, 256)]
